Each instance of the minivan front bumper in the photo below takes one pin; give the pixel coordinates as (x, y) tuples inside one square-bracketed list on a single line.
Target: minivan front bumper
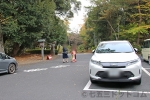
[(132, 79)]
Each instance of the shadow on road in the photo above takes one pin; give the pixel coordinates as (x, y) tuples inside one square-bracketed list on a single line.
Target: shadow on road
[(115, 85)]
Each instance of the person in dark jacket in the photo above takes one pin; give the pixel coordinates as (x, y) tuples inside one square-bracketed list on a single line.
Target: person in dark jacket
[(65, 54)]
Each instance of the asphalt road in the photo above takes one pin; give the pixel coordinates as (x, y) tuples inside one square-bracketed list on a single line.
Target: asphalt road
[(54, 80)]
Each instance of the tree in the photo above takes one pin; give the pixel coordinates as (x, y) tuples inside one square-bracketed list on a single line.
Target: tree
[(139, 18), (118, 19), (30, 21)]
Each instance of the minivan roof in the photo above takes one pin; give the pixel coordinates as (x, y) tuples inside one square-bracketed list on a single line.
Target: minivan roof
[(114, 41)]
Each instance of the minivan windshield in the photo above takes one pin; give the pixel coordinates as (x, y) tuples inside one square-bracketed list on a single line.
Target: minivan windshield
[(114, 47)]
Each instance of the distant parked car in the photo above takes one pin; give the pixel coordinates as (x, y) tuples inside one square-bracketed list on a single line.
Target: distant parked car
[(7, 64)]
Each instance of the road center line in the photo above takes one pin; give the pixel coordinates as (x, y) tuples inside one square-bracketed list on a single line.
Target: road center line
[(34, 70), (146, 71)]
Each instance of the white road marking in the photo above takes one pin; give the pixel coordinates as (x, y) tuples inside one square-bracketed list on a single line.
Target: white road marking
[(41, 69), (60, 66), (146, 71), (34, 70), (147, 68), (87, 87)]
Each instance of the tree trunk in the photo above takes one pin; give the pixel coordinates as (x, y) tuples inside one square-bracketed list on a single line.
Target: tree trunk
[(139, 9), (21, 50), (52, 50), (1, 41), (15, 49), (58, 48), (112, 29), (95, 40)]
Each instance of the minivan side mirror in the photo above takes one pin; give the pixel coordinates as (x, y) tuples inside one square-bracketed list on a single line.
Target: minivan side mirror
[(136, 50), (93, 51)]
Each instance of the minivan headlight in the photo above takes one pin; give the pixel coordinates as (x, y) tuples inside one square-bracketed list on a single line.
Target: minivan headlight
[(133, 62), (95, 62)]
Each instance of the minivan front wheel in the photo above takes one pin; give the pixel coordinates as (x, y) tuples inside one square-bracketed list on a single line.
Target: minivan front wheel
[(92, 81), (138, 82)]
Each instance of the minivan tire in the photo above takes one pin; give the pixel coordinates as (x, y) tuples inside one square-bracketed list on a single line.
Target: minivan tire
[(138, 82), (92, 81)]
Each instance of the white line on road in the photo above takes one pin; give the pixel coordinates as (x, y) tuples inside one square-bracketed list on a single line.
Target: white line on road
[(60, 66), (34, 70), (147, 68), (146, 71), (87, 87)]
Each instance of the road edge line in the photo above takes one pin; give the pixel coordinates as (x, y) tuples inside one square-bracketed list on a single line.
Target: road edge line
[(146, 71), (87, 85)]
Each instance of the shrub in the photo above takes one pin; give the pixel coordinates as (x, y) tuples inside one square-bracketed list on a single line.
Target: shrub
[(38, 51)]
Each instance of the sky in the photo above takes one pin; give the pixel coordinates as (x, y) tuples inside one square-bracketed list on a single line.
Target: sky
[(78, 20)]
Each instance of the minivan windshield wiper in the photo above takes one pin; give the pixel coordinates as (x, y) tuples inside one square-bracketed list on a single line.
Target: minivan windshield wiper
[(105, 51), (127, 52)]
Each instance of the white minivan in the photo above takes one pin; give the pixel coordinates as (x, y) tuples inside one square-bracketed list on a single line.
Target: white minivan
[(115, 61), (146, 50)]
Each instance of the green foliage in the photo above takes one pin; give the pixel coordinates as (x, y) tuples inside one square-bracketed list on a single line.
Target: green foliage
[(117, 19), (63, 7), (26, 22), (81, 48)]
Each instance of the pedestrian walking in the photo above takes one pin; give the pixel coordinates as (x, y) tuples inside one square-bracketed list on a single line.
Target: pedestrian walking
[(73, 53), (65, 54)]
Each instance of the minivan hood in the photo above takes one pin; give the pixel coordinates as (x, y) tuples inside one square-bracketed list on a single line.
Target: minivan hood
[(114, 57)]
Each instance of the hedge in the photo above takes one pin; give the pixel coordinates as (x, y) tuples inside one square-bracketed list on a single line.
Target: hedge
[(38, 51)]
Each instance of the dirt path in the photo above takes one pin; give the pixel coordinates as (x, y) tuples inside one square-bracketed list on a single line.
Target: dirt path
[(31, 58)]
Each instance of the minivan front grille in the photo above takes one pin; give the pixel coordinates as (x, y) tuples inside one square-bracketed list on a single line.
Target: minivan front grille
[(113, 64), (123, 75)]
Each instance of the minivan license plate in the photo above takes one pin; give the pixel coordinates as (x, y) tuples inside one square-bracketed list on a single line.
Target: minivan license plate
[(114, 73)]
